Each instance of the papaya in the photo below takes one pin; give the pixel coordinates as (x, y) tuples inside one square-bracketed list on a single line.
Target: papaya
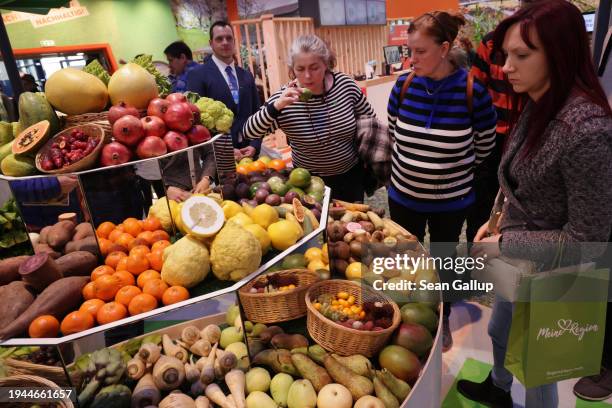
[(75, 92), (3, 113), (16, 128), (6, 132), (32, 139), (34, 108), (15, 166), (5, 150)]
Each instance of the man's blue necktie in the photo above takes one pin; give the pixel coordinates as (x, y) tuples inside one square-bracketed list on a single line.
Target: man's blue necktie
[(233, 83)]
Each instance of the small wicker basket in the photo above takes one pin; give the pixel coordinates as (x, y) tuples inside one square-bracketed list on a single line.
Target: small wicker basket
[(85, 163), (33, 381), (340, 339), (100, 119), (51, 373), (280, 306)]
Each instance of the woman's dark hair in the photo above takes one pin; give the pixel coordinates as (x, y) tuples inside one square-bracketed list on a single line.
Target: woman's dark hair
[(177, 48), (440, 25), (560, 27)]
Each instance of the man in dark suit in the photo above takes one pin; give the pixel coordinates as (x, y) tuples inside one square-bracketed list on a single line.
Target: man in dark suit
[(221, 79)]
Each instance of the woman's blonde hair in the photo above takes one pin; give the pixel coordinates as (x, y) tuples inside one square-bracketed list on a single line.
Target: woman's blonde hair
[(313, 44)]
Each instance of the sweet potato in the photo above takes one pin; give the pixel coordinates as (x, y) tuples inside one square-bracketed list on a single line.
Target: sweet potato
[(43, 234), (83, 230), (88, 244), (60, 234), (15, 299), (9, 269), (39, 271), (57, 300), (46, 249), (78, 263)]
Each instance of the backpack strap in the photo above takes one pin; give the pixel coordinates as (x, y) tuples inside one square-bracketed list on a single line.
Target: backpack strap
[(470, 92), (405, 87)]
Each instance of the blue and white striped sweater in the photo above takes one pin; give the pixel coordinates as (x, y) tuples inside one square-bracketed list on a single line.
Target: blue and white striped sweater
[(437, 142)]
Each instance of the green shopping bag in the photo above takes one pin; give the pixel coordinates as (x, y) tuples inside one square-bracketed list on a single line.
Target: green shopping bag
[(559, 334)]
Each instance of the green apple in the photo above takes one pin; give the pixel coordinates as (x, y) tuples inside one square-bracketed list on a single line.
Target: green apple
[(230, 335)]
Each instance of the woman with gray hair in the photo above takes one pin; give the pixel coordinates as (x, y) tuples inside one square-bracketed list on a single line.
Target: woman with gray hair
[(317, 110)]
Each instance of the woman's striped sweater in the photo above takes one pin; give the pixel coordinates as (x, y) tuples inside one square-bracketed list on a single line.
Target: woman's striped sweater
[(438, 143)]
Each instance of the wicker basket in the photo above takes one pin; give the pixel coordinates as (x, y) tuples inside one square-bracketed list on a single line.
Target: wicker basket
[(100, 119), (33, 381), (279, 306), (340, 339), (55, 374), (85, 163)]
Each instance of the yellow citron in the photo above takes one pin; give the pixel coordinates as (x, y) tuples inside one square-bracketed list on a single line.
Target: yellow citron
[(230, 208), (240, 219), (356, 270), (261, 235), (324, 254), (316, 264), (314, 253), (283, 234), (264, 215)]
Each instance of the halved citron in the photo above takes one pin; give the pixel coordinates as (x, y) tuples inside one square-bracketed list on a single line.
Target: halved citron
[(201, 216)]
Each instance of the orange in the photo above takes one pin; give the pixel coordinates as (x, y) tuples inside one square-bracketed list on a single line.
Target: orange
[(132, 226), (117, 248), (113, 259), (139, 242), (111, 312), (276, 164), (160, 245), (88, 291), (114, 235), (242, 169), (140, 249), (125, 240), (120, 227), (101, 270), (257, 166), (174, 294), (151, 224), (137, 263), (105, 245), (147, 236), (125, 277), (105, 229), (155, 259), (160, 235), (142, 303), (147, 276), (92, 306), (122, 265), (155, 287), (76, 321), (44, 326), (106, 286), (126, 294)]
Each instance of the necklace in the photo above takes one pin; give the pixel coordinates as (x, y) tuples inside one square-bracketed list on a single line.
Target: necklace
[(435, 91)]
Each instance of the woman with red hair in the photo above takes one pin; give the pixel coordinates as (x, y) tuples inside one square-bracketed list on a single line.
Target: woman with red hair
[(556, 168)]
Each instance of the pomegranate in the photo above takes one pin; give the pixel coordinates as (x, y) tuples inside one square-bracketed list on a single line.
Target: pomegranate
[(198, 134), (179, 117), (115, 153), (128, 130), (175, 141), (176, 97), (151, 146), (196, 113), (153, 126), (157, 107), (120, 110)]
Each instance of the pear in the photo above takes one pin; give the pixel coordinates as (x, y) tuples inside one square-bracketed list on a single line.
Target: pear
[(257, 379), (279, 388), (260, 399), (301, 395)]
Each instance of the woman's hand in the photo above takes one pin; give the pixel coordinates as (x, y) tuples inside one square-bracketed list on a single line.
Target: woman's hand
[(290, 95), (67, 183), (483, 231), (203, 187), (487, 247), (176, 194)]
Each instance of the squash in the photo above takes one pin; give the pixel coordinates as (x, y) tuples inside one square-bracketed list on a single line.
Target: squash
[(132, 85)]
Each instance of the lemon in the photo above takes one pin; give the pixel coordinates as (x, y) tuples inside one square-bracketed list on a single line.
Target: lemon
[(317, 264), (264, 215), (356, 270), (241, 219), (313, 253), (261, 235), (230, 208), (324, 254), (283, 234), (178, 220)]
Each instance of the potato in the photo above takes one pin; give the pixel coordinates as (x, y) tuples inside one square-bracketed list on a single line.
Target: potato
[(16, 298), (9, 269), (88, 244), (60, 234), (45, 248), (43, 234), (77, 263), (83, 230)]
